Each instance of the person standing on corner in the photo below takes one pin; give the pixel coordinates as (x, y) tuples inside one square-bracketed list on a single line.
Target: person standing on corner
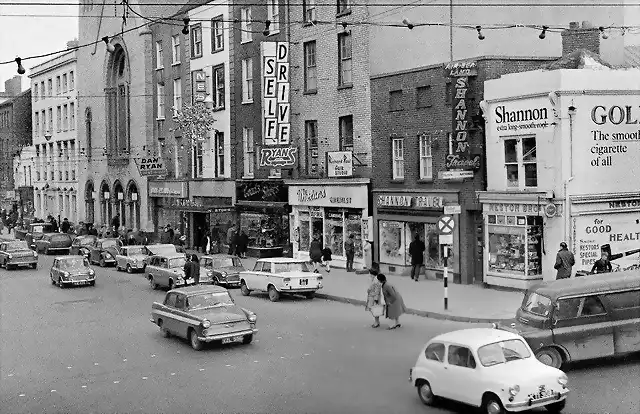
[(564, 262), (230, 238), (416, 251), (350, 251)]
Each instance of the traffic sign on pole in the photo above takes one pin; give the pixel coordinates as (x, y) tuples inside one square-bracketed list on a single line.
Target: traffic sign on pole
[(446, 224)]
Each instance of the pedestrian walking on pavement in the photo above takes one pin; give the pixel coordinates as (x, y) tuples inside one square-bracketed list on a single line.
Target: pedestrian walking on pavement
[(374, 299), (230, 238), (564, 262), (394, 303), (195, 270), (350, 251), (315, 253), (206, 243), (326, 258), (243, 244), (416, 251)]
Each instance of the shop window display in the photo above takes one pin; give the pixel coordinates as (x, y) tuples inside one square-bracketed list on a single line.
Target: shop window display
[(265, 230), (353, 224), (392, 242), (334, 231), (515, 244), (303, 231)]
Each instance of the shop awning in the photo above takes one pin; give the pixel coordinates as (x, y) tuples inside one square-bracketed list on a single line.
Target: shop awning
[(262, 204)]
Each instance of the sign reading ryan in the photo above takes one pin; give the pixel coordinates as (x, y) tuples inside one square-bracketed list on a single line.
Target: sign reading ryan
[(151, 166)]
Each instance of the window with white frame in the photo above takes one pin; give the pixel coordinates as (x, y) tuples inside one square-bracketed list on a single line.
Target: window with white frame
[(217, 34), (344, 59), (310, 67), (175, 49), (72, 116), (43, 92), (249, 152), (247, 80), (520, 162), (345, 130), (65, 117), (159, 55), (65, 83), (160, 98), (217, 76), (309, 10), (72, 81), (273, 15), (218, 147), (196, 41), (397, 150), (426, 159), (177, 96), (198, 160), (245, 24)]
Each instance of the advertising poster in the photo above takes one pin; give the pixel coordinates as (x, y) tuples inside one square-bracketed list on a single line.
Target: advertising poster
[(620, 230)]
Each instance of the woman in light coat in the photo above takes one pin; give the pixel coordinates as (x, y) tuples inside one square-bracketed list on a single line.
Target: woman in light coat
[(374, 297), (395, 304)]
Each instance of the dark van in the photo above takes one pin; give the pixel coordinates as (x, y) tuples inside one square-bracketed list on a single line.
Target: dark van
[(581, 318)]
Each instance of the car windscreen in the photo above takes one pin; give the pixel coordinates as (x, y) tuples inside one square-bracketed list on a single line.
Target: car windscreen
[(209, 300), (109, 243), (135, 250), (73, 263), (536, 304), (502, 352), (60, 238), (177, 262), (17, 246), (290, 267), (85, 241), (39, 228), (227, 262)]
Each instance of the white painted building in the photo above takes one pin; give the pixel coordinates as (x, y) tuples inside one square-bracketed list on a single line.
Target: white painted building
[(562, 150), (55, 160)]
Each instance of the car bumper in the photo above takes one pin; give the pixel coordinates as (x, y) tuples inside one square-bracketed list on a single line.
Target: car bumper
[(82, 282), (531, 404), (289, 289), (53, 249), (229, 284), (23, 261), (108, 260), (219, 337), (136, 266)]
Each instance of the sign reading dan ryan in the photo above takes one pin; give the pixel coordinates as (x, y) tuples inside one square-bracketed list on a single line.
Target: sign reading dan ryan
[(606, 143)]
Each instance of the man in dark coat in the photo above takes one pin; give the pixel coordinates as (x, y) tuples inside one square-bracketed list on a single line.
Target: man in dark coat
[(115, 222), (416, 250), (65, 226), (350, 251), (602, 265), (315, 252), (564, 262)]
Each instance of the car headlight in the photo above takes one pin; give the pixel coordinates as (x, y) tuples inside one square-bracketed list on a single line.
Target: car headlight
[(206, 323), (65, 274), (35, 254), (253, 318), (563, 380), (91, 272), (9, 256), (514, 390), (223, 274), (107, 255)]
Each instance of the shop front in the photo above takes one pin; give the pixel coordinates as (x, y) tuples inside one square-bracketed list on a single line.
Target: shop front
[(263, 214), (330, 210), (166, 195), (522, 236), (399, 216)]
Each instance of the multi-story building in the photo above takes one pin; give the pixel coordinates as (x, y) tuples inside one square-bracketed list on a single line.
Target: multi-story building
[(193, 69), (15, 133), (117, 80), (24, 174), (421, 167), (259, 32), (55, 153), (12, 88)]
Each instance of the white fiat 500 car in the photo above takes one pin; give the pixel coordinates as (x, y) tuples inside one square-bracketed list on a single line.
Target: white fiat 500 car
[(488, 368), (281, 275)]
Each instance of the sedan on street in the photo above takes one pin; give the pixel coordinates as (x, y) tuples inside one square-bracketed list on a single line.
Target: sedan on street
[(104, 252), (202, 314), (81, 245), (54, 242), (72, 271), (16, 253), (221, 269)]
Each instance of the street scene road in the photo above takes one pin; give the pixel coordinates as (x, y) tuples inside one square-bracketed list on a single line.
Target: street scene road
[(94, 350)]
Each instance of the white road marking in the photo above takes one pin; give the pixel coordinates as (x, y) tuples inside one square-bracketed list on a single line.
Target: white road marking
[(306, 354), (144, 378), (69, 367), (153, 356), (10, 375), (21, 395), (84, 386), (256, 361), (201, 369), (95, 363), (124, 360), (173, 373), (281, 357), (116, 382), (53, 390), (279, 337), (227, 365)]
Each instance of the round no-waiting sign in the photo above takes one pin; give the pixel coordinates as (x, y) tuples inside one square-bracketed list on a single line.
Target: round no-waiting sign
[(446, 224)]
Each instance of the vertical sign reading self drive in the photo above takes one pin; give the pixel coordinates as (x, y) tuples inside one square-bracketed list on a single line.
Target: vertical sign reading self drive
[(276, 126)]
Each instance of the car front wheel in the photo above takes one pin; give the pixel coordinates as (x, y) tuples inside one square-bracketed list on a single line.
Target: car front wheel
[(425, 393), (274, 295), (244, 289), (556, 407), (247, 339), (550, 356), (195, 342), (103, 263), (492, 405), (129, 269), (152, 283)]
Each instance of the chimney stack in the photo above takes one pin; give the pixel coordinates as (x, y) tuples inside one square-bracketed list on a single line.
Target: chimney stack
[(72, 44), (579, 36)]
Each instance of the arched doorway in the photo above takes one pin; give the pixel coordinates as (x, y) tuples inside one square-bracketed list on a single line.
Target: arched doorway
[(133, 204), (89, 202), (105, 204), (118, 202)]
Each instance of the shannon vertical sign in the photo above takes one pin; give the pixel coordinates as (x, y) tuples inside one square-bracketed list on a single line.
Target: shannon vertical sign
[(459, 72)]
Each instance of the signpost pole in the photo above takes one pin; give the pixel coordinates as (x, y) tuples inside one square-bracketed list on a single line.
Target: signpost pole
[(445, 278)]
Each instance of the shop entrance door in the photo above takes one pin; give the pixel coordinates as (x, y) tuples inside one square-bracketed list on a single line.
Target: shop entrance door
[(478, 253), (200, 226)]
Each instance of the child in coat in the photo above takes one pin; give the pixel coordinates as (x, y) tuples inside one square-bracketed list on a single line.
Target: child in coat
[(326, 258)]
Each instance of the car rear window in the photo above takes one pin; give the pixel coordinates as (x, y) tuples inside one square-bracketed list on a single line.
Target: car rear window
[(536, 304), (60, 238)]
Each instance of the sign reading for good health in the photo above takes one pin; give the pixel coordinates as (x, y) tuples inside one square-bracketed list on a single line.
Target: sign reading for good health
[(276, 126)]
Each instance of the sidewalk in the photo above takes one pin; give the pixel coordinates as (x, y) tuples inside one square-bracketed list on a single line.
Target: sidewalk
[(467, 303)]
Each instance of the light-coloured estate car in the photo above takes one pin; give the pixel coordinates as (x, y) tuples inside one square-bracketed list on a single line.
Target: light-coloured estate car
[(281, 275), (488, 368), (132, 258), (166, 270), (16, 253)]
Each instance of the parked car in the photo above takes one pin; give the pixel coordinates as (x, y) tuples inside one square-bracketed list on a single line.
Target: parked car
[(81, 245), (581, 318), (488, 368), (104, 252), (132, 258), (72, 270), (202, 314), (53, 242), (36, 231), (221, 269), (281, 275), (16, 253), (166, 270), (156, 249)]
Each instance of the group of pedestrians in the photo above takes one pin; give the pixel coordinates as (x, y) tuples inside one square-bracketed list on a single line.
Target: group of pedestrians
[(380, 288)]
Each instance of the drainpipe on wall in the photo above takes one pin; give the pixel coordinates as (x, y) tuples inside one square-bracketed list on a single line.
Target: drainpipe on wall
[(567, 203)]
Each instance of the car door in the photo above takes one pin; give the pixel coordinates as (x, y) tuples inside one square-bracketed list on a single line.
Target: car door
[(55, 270), (262, 276), (251, 277), (463, 375), (435, 356), (583, 327), (151, 267), (163, 271), (3, 253), (181, 320), (121, 258), (169, 312)]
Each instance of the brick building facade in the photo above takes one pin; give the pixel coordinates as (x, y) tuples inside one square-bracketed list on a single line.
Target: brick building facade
[(411, 135)]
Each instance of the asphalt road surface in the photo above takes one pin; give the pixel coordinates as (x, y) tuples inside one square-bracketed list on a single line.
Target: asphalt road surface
[(93, 350)]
